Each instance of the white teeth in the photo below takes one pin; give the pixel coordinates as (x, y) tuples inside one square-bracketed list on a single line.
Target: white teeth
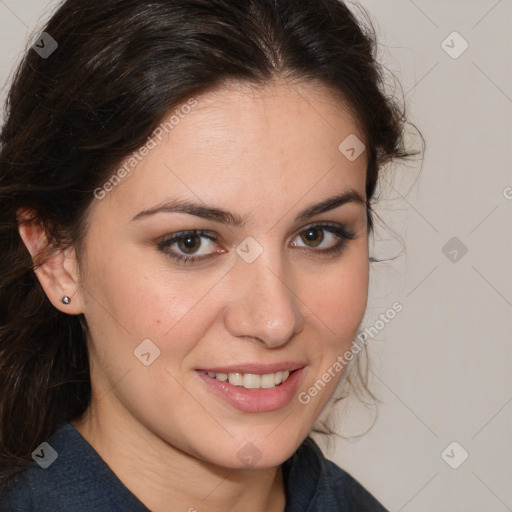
[(268, 380), (251, 380), (236, 379)]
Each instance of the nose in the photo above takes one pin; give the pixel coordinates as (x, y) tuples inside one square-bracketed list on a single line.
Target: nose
[(264, 307)]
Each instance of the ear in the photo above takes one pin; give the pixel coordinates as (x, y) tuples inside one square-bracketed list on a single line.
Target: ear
[(58, 274)]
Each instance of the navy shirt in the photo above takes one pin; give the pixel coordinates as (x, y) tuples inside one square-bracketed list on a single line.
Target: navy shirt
[(78, 480)]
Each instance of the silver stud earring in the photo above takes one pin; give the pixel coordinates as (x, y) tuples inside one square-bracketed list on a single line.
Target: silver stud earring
[(66, 300)]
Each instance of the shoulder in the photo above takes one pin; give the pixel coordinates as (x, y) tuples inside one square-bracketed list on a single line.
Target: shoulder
[(316, 484), (69, 476)]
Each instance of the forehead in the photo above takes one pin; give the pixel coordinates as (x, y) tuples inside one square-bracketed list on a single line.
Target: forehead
[(275, 108), (243, 144)]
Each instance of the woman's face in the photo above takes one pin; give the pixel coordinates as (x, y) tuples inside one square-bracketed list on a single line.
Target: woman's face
[(274, 284)]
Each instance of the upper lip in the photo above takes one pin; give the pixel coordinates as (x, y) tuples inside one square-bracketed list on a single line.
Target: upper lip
[(255, 368)]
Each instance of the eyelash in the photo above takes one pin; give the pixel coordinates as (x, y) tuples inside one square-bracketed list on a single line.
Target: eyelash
[(339, 230)]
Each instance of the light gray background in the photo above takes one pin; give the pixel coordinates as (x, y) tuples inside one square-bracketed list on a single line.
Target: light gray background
[(442, 367)]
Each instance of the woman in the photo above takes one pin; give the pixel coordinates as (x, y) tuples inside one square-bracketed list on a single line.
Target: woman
[(185, 190)]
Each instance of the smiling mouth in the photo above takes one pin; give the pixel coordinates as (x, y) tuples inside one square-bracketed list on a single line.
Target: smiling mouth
[(251, 380)]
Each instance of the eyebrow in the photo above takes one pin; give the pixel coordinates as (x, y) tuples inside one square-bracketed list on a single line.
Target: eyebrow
[(233, 219)]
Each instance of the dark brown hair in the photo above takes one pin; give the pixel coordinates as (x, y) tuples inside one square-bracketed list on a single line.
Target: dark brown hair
[(119, 67)]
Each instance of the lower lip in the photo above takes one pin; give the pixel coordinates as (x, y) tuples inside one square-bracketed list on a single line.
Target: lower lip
[(255, 400)]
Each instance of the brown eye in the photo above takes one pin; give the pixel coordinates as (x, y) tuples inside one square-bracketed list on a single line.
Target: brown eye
[(323, 239), (189, 243), (190, 246), (312, 236)]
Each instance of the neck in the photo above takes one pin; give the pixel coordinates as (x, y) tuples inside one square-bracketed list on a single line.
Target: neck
[(158, 474)]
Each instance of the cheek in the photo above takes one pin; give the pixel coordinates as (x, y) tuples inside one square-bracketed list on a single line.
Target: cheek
[(339, 300), (126, 307), (138, 293), (341, 304)]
